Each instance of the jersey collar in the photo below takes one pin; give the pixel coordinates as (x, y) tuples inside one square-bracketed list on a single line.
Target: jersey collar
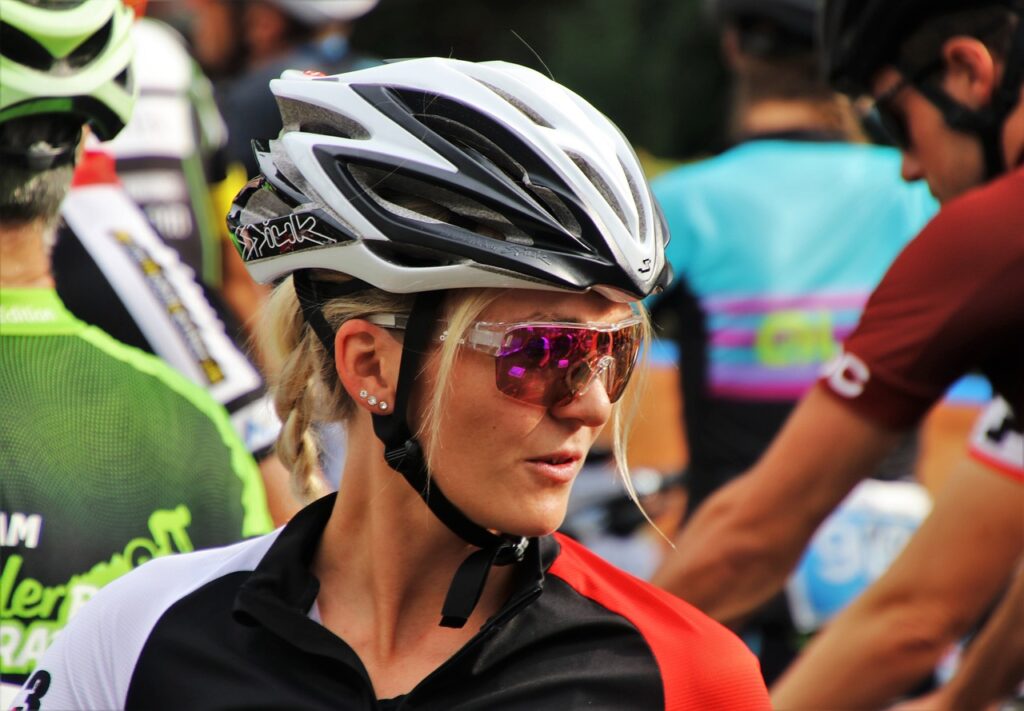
[(279, 593), (26, 312)]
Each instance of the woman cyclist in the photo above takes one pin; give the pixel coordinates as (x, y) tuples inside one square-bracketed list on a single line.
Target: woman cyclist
[(459, 250)]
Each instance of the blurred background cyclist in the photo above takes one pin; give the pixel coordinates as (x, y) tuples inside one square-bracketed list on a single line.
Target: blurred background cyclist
[(776, 244), (947, 79), (108, 457)]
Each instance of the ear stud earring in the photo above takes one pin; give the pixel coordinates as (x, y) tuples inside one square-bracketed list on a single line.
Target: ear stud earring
[(372, 400)]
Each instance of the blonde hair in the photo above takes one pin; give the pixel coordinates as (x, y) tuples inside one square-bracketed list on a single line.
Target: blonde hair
[(306, 388)]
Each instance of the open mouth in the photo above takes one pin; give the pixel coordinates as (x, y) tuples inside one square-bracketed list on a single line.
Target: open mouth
[(555, 459)]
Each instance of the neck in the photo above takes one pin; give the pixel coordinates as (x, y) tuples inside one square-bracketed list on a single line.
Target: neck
[(25, 255), (776, 116), (385, 562)]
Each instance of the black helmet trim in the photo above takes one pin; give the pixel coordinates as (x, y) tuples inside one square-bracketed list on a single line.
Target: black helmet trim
[(448, 242)]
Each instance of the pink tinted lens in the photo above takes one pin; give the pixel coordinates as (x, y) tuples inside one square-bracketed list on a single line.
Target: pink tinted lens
[(547, 365)]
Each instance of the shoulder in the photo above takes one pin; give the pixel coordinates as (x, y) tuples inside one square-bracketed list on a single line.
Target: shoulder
[(642, 603), (146, 367), (972, 239), (990, 216), (90, 664), (700, 660)]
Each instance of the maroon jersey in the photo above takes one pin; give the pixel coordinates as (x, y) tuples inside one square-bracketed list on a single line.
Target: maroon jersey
[(952, 302)]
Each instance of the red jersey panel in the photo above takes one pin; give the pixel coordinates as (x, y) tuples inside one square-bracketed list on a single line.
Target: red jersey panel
[(703, 665), (952, 302)]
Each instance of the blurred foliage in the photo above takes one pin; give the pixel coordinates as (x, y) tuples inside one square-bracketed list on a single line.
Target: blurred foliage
[(651, 65)]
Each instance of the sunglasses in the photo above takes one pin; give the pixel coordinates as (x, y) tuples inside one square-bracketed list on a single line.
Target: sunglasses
[(550, 364), (892, 121)]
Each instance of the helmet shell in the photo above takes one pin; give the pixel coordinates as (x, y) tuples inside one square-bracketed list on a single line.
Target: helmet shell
[(798, 17), (862, 36), (67, 58), (320, 11), (559, 189)]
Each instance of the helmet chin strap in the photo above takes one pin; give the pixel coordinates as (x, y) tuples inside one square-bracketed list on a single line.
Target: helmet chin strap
[(405, 455)]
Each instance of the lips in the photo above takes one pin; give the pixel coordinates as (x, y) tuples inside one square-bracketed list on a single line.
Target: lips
[(557, 458)]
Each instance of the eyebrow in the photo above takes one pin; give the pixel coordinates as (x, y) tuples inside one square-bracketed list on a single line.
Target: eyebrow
[(565, 318)]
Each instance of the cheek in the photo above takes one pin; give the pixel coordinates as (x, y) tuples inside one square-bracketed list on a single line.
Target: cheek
[(479, 425)]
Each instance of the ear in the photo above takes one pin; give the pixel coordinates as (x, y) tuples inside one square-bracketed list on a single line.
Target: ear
[(971, 71), (367, 358), (732, 55)]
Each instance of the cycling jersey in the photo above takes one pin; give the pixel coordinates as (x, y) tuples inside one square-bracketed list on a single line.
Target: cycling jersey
[(173, 148), (114, 272), (952, 302), (998, 440), (237, 627), (776, 245), (107, 458)]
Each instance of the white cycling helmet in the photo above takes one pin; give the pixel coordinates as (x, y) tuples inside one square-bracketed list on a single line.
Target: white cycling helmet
[(314, 12), (489, 145)]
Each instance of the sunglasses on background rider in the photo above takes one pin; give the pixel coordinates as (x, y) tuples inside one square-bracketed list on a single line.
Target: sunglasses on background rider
[(890, 120)]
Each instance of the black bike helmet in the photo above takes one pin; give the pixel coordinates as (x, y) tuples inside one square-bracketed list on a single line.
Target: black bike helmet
[(798, 18), (860, 37)]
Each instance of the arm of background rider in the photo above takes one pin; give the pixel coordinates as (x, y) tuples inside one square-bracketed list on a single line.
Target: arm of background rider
[(994, 664), (741, 545), (895, 634)]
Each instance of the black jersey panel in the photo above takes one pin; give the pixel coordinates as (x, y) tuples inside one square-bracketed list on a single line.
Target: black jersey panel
[(563, 652), (200, 657)]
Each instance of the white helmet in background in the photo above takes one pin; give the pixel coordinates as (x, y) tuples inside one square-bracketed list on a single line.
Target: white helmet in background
[(315, 12)]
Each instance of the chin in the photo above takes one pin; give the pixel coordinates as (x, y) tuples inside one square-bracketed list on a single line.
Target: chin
[(531, 524)]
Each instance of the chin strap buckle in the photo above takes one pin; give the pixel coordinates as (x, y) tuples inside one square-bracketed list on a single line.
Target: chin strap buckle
[(471, 577)]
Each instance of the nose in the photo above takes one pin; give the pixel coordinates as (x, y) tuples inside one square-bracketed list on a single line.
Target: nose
[(910, 168), (591, 406)]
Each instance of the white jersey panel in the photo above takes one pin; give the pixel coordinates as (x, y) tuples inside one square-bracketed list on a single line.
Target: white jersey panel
[(998, 439), (168, 305), (158, 290), (91, 662), (162, 120)]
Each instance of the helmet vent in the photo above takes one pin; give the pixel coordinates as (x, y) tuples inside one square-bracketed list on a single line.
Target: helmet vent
[(55, 4), (638, 198), (92, 48), (19, 47), (23, 49), (472, 141), (264, 205), (414, 199), (309, 118), (523, 108), (602, 187), (558, 208)]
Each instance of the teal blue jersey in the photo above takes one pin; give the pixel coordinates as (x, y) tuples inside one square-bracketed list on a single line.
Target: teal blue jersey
[(776, 246)]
